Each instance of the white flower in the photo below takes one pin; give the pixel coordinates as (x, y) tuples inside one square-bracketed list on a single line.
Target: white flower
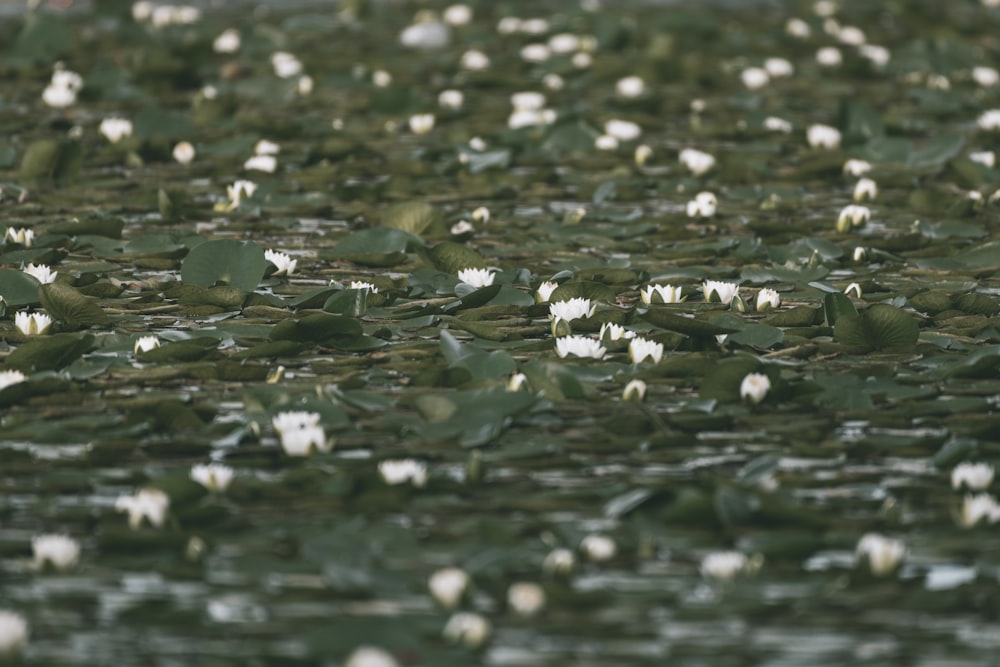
[(642, 154), (525, 118), (527, 101), (141, 11), (215, 477), (830, 56), (853, 289), (579, 346), (640, 348), (767, 299), (266, 163), (606, 142), (517, 382), (630, 86), (661, 294), (401, 471), (59, 551), (989, 120), (468, 629), (7, 378), (775, 124), (985, 76), (58, 97), (381, 78), (457, 15), (553, 81), (857, 168), (853, 215), (571, 309), (525, 598), (534, 26), (13, 633), (755, 78), (582, 60), (304, 86), (228, 41), (611, 332), (32, 324), (698, 105), (851, 35), (41, 272), (545, 290), (823, 136), (723, 565), (779, 67), (635, 391), (598, 548), (475, 60), (986, 158), (285, 64), (115, 129), (722, 290), (697, 162), (979, 507), (300, 431), (20, 235), (461, 227), (535, 53), (427, 33), (451, 99), (360, 284), (265, 147), (477, 277), (754, 387), (938, 82), (184, 152), (448, 585), (864, 189), (421, 123), (239, 190), (145, 344), (481, 214), (798, 28), (860, 254), (282, 261), (508, 25), (975, 476), (150, 504), (704, 205), (623, 130), (877, 55), (825, 8), (370, 656), (883, 554)]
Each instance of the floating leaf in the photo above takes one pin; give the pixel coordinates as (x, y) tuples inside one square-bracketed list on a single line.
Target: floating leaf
[(55, 160), (65, 303), (880, 327), (450, 257), (935, 152), (317, 328), (837, 305), (18, 288), (413, 217), (665, 318), (240, 264), (49, 353)]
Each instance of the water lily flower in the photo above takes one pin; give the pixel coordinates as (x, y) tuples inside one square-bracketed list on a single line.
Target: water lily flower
[(854, 289), (525, 598), (854, 167), (986, 158), (166, 15), (461, 227), (508, 25), (883, 554), (282, 262), (830, 56), (545, 290), (724, 291), (564, 42), (451, 99), (640, 348), (299, 432), (467, 629), (475, 61), (421, 123), (622, 130), (754, 387), (304, 86), (864, 189), (979, 507), (606, 142), (7, 378), (13, 633), (559, 561), (989, 120), (285, 64), (370, 656), (630, 87), (457, 15), (517, 382), (654, 293), (823, 136), (115, 129), (775, 124), (61, 552), (975, 476), (448, 585), (704, 205), (265, 163), (642, 154), (877, 55), (228, 41), (724, 565), (579, 346), (697, 162), (401, 471), (32, 324), (477, 277), (214, 476), (145, 344), (860, 254), (582, 60), (184, 152), (796, 27), (527, 101), (767, 299), (426, 33), (481, 214), (527, 118), (535, 53), (598, 548), (851, 35), (63, 88), (553, 81), (43, 273), (571, 309), (779, 68), (634, 391), (149, 504), (612, 332), (265, 147), (381, 78), (985, 76), (239, 190), (755, 78), (534, 26), (360, 284), (852, 215), (20, 235)]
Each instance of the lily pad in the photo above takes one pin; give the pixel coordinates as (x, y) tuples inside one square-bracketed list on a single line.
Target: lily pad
[(880, 327), (240, 264)]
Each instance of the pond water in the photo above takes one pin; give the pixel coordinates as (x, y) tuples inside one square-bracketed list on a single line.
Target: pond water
[(384, 420)]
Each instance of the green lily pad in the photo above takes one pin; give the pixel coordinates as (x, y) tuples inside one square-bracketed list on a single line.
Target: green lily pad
[(240, 264), (880, 327), (18, 288), (66, 303), (49, 353)]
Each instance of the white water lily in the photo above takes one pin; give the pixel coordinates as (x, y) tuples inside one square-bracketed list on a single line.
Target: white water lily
[(779, 68), (61, 552), (830, 56), (426, 33), (214, 476), (598, 548), (704, 205), (381, 78), (723, 291), (283, 262), (622, 130), (545, 290), (775, 124), (145, 344), (300, 432), (823, 136), (149, 504), (559, 561), (525, 598), (535, 53), (553, 81), (265, 163), (475, 61), (796, 27), (612, 332), (401, 471), (13, 633), (985, 76), (421, 123), (853, 215), (974, 476), (697, 162), (630, 86), (166, 15), (755, 78), (477, 277), (508, 25), (115, 129), (851, 35), (451, 99), (448, 585), (606, 142), (457, 15), (20, 235), (240, 190), (724, 565), (571, 309), (877, 55), (527, 101), (535, 26), (564, 42), (767, 299), (986, 158), (63, 88), (32, 324), (854, 289), (642, 154), (641, 348), (228, 41), (184, 152), (461, 227), (285, 64), (860, 254), (360, 284), (517, 382), (989, 120), (467, 629), (304, 86), (634, 391), (41, 272), (865, 189), (579, 346), (370, 656), (882, 554), (654, 293), (754, 387), (7, 378), (265, 147), (582, 60), (481, 214), (854, 167), (979, 508)]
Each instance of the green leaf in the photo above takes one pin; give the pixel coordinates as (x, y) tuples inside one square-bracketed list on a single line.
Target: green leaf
[(56, 160), (49, 353), (18, 288), (317, 328), (935, 152), (836, 305), (413, 217), (349, 302), (240, 264), (860, 122), (583, 289), (553, 381), (881, 327), (450, 257), (69, 305), (760, 336), (665, 318)]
